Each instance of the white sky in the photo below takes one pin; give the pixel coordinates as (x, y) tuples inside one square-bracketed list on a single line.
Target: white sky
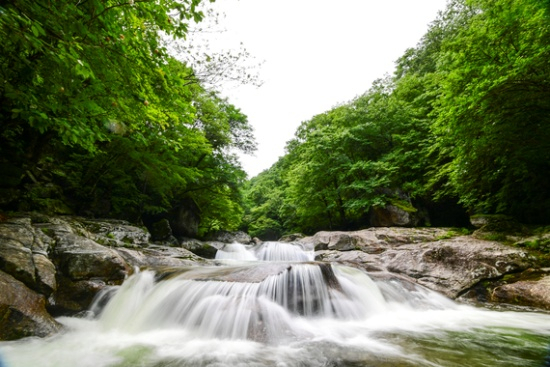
[(317, 54)]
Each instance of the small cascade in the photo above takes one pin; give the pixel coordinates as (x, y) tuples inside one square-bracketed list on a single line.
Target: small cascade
[(235, 251), (268, 251), (272, 305), (282, 251), (228, 307)]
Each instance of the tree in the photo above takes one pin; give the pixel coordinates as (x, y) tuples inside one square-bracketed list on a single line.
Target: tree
[(93, 104), (493, 110)]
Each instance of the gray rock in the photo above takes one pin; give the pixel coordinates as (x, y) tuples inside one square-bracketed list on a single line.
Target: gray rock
[(206, 250), (390, 216), (425, 255), (79, 258), (373, 240), (72, 297), (16, 260), (455, 265), (22, 311), (534, 293), (45, 274), (229, 237), (185, 219), (159, 256), (161, 230), (292, 237), (117, 233)]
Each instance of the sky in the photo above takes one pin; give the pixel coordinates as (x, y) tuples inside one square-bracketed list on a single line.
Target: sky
[(315, 55)]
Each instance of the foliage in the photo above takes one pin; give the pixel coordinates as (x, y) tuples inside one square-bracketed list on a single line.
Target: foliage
[(91, 101), (493, 116), (465, 118)]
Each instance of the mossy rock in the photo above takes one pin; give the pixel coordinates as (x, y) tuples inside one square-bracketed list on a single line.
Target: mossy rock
[(501, 228)]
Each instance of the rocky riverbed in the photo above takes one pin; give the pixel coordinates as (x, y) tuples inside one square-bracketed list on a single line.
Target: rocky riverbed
[(55, 265)]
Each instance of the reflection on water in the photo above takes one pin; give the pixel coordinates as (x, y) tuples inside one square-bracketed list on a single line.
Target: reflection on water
[(275, 307)]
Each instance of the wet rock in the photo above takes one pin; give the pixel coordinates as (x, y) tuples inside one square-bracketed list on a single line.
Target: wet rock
[(241, 274), (206, 250), (438, 258), (79, 258), (45, 274), (229, 237), (292, 237), (22, 311), (159, 256), (374, 240), (369, 262), (161, 230), (185, 219), (72, 297), (391, 215), (455, 265), (16, 259), (534, 293), (118, 233)]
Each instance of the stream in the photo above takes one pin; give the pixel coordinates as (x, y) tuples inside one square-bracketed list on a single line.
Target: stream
[(272, 305)]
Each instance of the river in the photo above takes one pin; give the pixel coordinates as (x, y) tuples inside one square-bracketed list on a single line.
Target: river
[(272, 305)]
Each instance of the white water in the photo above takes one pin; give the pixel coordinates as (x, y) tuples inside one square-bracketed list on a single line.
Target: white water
[(292, 312)]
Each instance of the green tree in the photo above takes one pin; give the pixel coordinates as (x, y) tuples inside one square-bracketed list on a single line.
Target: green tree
[(93, 104), (492, 114)]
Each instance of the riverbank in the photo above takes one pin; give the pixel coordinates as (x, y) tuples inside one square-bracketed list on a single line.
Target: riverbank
[(52, 266)]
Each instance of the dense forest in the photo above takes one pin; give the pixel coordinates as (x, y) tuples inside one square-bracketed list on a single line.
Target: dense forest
[(100, 118), (462, 126)]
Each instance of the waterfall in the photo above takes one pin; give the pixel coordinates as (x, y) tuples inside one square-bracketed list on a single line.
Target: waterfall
[(273, 305)]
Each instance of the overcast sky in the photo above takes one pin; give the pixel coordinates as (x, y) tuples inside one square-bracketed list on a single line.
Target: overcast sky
[(316, 54)]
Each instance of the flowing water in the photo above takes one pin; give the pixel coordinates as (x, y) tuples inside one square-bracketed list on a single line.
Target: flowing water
[(272, 305)]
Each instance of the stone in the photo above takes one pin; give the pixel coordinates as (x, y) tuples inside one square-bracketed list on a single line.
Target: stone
[(161, 230), (292, 237), (22, 311), (159, 256), (117, 233), (185, 219), (16, 260), (455, 265), (45, 274), (229, 237), (199, 248), (72, 297), (534, 293), (390, 216), (79, 258)]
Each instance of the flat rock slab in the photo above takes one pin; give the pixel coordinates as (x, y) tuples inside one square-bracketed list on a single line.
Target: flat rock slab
[(240, 274)]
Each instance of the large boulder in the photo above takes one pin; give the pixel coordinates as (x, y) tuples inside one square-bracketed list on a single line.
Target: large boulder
[(79, 258), (159, 256), (440, 259), (229, 237), (206, 250), (455, 265), (392, 215), (117, 233), (84, 268), (22, 311), (532, 292), (185, 219), (374, 240)]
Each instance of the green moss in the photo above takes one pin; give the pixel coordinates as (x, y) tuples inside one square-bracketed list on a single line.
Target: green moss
[(494, 236), (455, 232), (403, 205)]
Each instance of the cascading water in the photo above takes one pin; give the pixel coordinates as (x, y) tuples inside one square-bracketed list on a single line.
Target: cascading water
[(272, 305)]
